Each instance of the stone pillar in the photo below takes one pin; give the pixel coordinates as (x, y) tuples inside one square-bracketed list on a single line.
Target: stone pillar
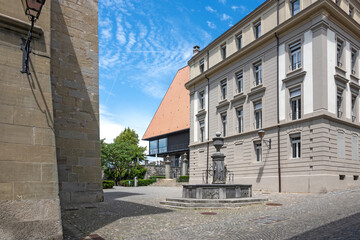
[(219, 174), (167, 167), (184, 165)]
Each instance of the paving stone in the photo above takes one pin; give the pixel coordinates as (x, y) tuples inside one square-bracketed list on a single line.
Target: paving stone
[(135, 213)]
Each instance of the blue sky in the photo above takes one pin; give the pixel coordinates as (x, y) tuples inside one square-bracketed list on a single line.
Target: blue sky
[(142, 44)]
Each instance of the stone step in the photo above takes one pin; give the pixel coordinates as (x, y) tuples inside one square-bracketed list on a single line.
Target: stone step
[(211, 203), (229, 200)]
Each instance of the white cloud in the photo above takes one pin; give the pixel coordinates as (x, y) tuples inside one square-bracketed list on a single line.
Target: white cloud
[(242, 8), (211, 25), (210, 9), (225, 17), (120, 33), (222, 1)]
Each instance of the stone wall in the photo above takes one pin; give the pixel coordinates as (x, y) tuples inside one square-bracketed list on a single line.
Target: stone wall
[(74, 80), (29, 202)]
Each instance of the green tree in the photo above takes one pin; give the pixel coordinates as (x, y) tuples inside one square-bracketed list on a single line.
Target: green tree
[(120, 158)]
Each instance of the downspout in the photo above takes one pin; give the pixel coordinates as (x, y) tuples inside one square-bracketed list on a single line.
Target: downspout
[(277, 96), (208, 124)]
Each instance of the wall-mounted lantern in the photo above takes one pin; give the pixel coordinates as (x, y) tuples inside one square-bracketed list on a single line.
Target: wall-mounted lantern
[(32, 9), (261, 134)]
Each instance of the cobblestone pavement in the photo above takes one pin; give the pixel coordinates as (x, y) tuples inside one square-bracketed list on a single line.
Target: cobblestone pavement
[(135, 213)]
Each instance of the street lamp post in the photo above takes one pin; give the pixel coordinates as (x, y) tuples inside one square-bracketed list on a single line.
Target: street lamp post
[(261, 134), (32, 9)]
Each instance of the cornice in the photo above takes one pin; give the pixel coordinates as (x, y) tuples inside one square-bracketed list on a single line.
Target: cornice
[(19, 26), (321, 7)]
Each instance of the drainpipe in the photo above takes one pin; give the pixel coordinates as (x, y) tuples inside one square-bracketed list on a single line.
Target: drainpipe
[(277, 96), (208, 124)]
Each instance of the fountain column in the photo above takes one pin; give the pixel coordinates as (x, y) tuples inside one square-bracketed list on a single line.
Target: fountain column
[(167, 167), (184, 165), (219, 170)]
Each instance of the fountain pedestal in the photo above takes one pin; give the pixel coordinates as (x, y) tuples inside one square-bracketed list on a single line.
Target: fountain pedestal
[(216, 191)]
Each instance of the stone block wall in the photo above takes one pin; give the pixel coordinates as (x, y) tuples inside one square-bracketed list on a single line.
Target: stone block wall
[(75, 91), (29, 201)]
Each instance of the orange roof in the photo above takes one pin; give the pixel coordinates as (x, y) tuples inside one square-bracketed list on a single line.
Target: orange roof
[(173, 113)]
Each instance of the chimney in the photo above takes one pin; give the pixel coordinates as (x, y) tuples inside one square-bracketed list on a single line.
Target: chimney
[(196, 49)]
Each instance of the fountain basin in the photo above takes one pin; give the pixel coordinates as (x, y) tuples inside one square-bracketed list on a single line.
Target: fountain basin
[(216, 191)]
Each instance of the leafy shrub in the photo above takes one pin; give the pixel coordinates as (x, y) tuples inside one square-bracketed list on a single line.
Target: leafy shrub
[(108, 184), (141, 182), (126, 183), (184, 179)]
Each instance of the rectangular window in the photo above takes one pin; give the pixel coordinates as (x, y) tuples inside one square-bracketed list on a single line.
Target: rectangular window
[(339, 103), (295, 146), (341, 145), (201, 65), (223, 51), (258, 151), (355, 147), (223, 89), (202, 131), (295, 7), (295, 103), (258, 115), (257, 29), (337, 2), (295, 55), (153, 147), (353, 61), (239, 41), (353, 108), (240, 118), (339, 50), (258, 73), (223, 122), (239, 82), (202, 100), (162, 145)]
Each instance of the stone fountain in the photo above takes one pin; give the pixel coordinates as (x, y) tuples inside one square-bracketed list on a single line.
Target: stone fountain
[(218, 194), (218, 189)]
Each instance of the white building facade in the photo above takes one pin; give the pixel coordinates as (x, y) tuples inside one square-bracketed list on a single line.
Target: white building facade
[(292, 69)]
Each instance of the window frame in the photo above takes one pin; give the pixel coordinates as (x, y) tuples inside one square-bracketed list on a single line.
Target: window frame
[(339, 106), (239, 41), (297, 101), (202, 130), (258, 151), (257, 29), (354, 57), (257, 73), (202, 100), (353, 107), (295, 50), (258, 114), (201, 65), (292, 7), (295, 143), (239, 87), (339, 52), (223, 51), (223, 118), (240, 119), (223, 89), (351, 11)]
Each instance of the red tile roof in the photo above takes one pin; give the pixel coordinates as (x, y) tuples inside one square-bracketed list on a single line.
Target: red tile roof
[(173, 113)]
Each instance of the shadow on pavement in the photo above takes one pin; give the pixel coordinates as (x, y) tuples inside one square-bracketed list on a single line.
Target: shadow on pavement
[(78, 224), (345, 228), (111, 196)]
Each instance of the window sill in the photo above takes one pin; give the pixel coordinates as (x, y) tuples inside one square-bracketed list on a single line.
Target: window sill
[(256, 90), (223, 103), (341, 80), (339, 70), (354, 78), (294, 72), (201, 113), (238, 98), (294, 77)]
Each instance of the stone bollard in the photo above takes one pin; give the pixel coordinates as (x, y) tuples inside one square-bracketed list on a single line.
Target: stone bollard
[(184, 165), (167, 167), (135, 182)]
